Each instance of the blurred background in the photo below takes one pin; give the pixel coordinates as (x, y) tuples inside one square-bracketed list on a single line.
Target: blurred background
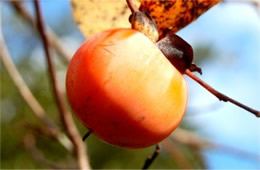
[(213, 134)]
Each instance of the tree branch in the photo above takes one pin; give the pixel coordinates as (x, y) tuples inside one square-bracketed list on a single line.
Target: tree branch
[(29, 98), (52, 37), (29, 143), (151, 159), (132, 6), (65, 115), (219, 95), (190, 138), (177, 155)]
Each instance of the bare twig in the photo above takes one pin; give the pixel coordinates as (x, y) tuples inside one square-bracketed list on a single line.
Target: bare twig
[(29, 143), (65, 115), (132, 6), (219, 95), (23, 88), (176, 154), (52, 37), (190, 138), (150, 160), (86, 135), (29, 98)]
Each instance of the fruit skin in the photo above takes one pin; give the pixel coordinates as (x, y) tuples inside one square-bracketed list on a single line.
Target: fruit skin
[(124, 89)]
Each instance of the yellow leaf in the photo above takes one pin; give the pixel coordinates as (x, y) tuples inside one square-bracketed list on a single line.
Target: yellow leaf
[(172, 15), (93, 16)]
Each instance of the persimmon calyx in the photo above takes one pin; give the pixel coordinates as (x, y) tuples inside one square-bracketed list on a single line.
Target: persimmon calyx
[(193, 67), (142, 22), (178, 52)]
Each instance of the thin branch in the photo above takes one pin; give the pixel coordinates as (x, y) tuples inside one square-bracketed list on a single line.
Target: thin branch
[(29, 143), (65, 115), (176, 154), (23, 88), (132, 6), (52, 37), (150, 160), (219, 95), (29, 98), (86, 135), (190, 138)]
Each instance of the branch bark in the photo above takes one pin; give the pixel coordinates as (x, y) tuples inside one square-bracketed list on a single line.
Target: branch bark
[(29, 98), (176, 154), (132, 6), (190, 138), (29, 143), (65, 115), (219, 95), (52, 37)]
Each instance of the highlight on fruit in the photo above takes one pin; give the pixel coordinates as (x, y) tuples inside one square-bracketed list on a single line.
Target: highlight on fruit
[(124, 90)]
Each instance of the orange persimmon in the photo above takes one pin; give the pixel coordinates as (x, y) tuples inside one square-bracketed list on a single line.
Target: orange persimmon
[(123, 89)]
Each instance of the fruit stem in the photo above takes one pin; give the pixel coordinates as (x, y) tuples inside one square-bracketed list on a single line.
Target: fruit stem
[(150, 160), (86, 135), (132, 6), (219, 95)]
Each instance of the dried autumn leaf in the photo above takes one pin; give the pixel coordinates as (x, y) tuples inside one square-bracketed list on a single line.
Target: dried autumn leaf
[(172, 15), (93, 16)]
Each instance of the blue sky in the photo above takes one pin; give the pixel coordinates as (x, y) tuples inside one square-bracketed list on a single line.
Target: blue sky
[(233, 29)]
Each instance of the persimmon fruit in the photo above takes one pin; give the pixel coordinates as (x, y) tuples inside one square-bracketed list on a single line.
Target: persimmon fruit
[(123, 89)]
